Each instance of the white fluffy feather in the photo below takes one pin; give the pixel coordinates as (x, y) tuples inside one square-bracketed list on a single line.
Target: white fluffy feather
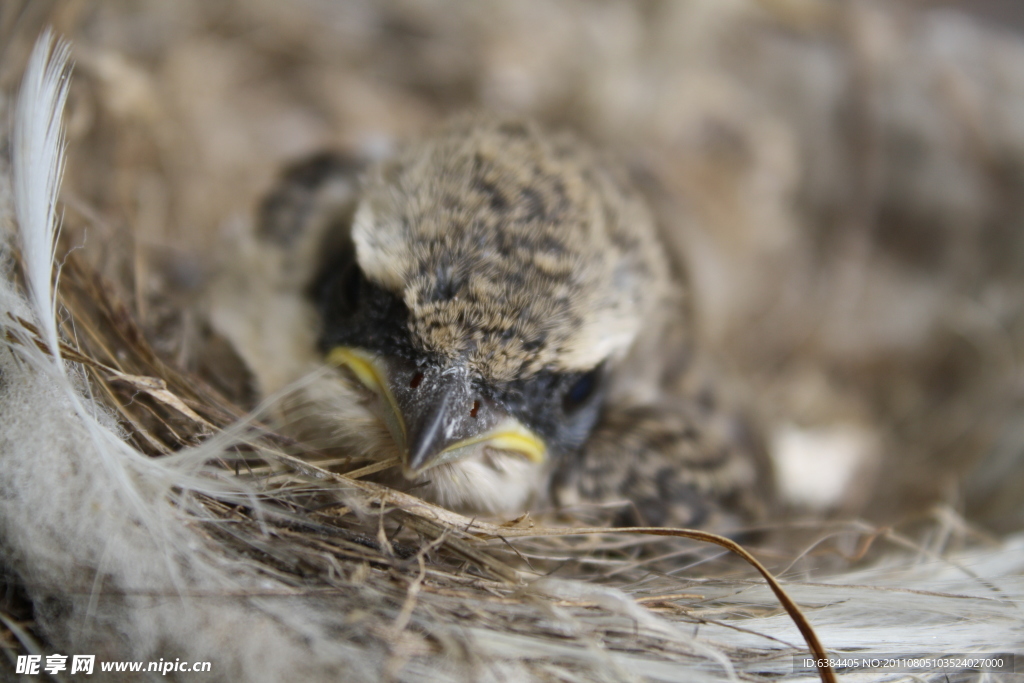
[(39, 160), (92, 526)]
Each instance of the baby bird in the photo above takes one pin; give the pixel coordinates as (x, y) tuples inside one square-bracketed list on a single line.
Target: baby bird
[(492, 308)]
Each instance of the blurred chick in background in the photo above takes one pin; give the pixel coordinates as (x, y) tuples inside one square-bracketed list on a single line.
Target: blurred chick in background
[(492, 311)]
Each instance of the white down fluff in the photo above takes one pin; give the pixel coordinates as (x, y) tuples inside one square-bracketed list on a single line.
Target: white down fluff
[(90, 525)]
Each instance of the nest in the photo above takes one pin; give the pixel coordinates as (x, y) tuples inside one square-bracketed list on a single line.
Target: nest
[(391, 587), (312, 525)]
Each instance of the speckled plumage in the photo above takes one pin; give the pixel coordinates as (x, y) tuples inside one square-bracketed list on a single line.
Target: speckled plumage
[(490, 274), (516, 249)]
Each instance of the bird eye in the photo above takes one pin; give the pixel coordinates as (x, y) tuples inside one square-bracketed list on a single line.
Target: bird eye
[(581, 390)]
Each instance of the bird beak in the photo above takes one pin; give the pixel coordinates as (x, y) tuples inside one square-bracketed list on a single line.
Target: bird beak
[(436, 416)]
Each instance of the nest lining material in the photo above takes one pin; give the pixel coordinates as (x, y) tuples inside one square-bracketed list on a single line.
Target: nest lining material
[(148, 516)]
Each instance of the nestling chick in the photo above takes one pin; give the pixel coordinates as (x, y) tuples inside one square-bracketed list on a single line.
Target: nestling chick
[(493, 308)]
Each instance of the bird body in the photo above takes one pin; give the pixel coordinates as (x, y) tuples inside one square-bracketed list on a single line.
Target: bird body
[(479, 307)]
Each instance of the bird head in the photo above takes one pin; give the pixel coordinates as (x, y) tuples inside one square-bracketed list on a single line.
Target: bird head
[(490, 279)]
